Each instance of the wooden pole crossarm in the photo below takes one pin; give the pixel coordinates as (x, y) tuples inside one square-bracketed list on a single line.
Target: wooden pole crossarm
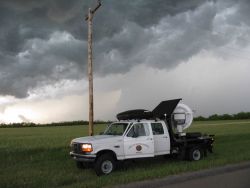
[(95, 9)]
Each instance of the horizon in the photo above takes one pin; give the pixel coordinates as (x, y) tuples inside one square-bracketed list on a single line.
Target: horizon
[(195, 118)]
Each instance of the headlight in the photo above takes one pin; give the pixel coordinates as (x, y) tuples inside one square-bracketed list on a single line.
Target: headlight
[(87, 148)]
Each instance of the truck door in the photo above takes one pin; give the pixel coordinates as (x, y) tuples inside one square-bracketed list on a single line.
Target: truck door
[(161, 138), (139, 142)]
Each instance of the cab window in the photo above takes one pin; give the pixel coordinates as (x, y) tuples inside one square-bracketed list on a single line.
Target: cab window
[(116, 129), (138, 129), (157, 128)]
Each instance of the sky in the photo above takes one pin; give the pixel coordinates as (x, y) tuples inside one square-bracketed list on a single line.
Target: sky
[(145, 51)]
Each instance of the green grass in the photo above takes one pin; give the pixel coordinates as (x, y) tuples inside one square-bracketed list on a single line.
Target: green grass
[(38, 157)]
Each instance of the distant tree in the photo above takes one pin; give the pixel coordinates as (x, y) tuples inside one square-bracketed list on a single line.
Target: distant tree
[(200, 118), (213, 117), (242, 115), (226, 117)]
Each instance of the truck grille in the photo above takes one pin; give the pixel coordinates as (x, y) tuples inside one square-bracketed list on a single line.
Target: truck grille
[(76, 148)]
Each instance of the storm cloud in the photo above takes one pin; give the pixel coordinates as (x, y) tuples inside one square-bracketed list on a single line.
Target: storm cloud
[(44, 42)]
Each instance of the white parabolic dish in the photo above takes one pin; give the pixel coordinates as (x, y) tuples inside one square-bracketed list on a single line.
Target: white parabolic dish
[(183, 115)]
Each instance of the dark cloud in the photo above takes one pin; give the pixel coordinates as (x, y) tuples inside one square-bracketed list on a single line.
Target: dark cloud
[(43, 42)]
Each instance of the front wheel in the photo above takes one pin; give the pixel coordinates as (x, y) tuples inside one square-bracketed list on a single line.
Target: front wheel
[(105, 164), (195, 154)]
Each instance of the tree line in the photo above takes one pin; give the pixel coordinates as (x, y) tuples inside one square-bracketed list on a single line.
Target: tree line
[(53, 124), (238, 116)]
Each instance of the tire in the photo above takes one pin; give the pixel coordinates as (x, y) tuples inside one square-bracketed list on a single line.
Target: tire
[(195, 154), (105, 164)]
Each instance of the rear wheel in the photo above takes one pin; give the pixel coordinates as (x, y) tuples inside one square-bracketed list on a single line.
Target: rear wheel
[(105, 164), (195, 154)]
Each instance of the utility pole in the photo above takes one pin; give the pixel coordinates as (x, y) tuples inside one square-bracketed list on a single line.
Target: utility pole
[(89, 19)]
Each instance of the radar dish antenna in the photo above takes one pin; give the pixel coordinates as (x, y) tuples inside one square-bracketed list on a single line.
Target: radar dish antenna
[(183, 117)]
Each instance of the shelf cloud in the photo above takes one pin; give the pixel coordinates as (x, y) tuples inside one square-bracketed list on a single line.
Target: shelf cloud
[(44, 42), (43, 52)]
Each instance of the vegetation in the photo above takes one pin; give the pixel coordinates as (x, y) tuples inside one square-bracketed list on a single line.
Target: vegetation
[(238, 116), (53, 124), (38, 157)]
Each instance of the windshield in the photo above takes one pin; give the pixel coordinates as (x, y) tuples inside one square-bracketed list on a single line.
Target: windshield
[(116, 129)]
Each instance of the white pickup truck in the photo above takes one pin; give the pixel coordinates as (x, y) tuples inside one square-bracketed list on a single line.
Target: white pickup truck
[(140, 134)]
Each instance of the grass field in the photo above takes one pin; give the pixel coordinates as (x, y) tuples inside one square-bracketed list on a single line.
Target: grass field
[(38, 157)]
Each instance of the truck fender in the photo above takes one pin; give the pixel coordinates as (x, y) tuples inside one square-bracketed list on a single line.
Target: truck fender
[(101, 152)]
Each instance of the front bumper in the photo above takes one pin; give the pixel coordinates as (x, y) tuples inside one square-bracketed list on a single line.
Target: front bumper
[(83, 157)]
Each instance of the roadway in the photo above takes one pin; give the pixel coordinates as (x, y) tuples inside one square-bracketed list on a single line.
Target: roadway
[(229, 176)]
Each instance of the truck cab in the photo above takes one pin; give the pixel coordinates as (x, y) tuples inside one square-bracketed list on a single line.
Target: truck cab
[(146, 138)]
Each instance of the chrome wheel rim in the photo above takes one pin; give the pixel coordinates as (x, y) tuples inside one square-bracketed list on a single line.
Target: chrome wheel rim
[(107, 167), (196, 155)]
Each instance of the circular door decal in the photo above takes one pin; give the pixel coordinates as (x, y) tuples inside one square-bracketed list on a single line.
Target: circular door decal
[(138, 148)]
